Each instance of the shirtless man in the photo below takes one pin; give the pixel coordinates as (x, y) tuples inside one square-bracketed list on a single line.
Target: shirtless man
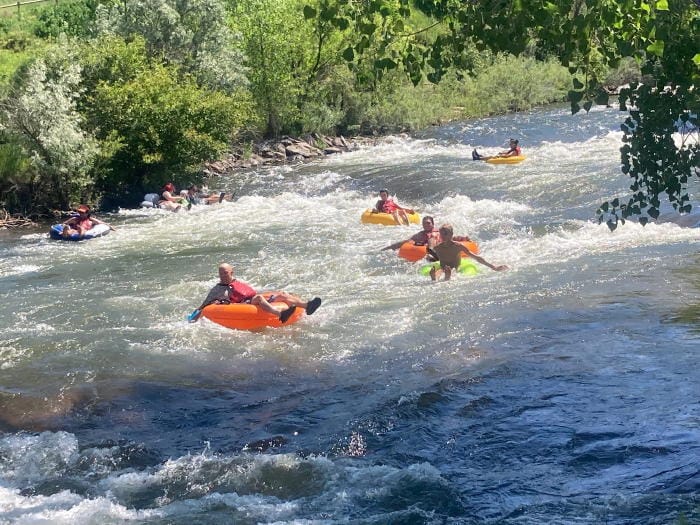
[(230, 290), (449, 254)]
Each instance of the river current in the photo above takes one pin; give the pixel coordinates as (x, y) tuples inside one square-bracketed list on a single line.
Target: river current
[(564, 390)]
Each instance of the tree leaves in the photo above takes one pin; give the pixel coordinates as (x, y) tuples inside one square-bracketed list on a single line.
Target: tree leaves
[(309, 12), (656, 48)]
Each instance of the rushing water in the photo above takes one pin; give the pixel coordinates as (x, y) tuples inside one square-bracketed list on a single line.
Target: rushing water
[(562, 391)]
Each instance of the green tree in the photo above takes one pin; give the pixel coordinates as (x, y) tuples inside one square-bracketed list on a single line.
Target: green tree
[(70, 18), (291, 65), (192, 34), (17, 177), (274, 58), (40, 113), (156, 123)]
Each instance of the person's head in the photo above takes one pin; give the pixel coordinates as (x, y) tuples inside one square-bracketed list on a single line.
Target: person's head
[(428, 223), (384, 194), (83, 210), (169, 187), (225, 273), (513, 142), (192, 190), (446, 232)]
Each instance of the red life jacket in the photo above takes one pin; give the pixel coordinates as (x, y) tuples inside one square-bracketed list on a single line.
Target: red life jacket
[(240, 292), (389, 206)]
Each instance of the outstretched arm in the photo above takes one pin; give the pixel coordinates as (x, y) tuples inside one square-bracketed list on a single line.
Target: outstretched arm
[(407, 210), (483, 261), (218, 293), (395, 246)]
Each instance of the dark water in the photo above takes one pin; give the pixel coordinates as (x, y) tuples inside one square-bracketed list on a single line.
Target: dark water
[(562, 391)]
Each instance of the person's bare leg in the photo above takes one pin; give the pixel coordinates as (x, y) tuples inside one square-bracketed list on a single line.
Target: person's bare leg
[(433, 273), (259, 300)]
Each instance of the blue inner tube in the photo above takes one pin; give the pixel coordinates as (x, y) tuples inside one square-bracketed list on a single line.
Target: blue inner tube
[(56, 232)]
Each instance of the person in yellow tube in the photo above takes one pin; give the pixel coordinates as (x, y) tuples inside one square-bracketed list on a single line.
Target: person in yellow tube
[(513, 151)]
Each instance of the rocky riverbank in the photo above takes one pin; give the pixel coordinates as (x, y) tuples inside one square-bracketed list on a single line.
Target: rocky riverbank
[(283, 150)]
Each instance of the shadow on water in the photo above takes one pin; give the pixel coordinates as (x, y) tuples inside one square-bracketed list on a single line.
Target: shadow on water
[(689, 314)]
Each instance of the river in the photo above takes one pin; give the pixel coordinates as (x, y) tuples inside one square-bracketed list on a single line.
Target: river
[(564, 390)]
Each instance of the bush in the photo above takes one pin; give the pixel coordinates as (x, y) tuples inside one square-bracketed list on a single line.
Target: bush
[(517, 84), (70, 18), (40, 113), (192, 35), (627, 72), (16, 178), (160, 128), (398, 106)]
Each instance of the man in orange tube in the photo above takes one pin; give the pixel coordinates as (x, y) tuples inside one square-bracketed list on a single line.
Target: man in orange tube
[(428, 236), (230, 290)]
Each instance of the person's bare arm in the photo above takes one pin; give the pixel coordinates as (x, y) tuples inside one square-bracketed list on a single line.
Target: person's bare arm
[(395, 246), (483, 261)]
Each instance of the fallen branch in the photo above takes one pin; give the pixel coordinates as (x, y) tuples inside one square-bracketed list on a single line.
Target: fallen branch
[(8, 220)]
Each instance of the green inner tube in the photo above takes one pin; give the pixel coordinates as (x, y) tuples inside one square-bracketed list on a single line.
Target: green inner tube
[(466, 267)]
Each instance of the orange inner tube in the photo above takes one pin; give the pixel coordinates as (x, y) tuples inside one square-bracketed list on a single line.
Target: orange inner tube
[(243, 316), (415, 252)]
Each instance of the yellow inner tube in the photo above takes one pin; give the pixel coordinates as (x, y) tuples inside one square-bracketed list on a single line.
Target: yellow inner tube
[(506, 160), (387, 219)]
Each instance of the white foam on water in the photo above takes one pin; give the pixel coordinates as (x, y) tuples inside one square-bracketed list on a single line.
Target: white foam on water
[(66, 508), (31, 458), (7, 269)]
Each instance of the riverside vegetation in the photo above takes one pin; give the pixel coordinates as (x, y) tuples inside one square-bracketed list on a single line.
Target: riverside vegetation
[(102, 101)]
